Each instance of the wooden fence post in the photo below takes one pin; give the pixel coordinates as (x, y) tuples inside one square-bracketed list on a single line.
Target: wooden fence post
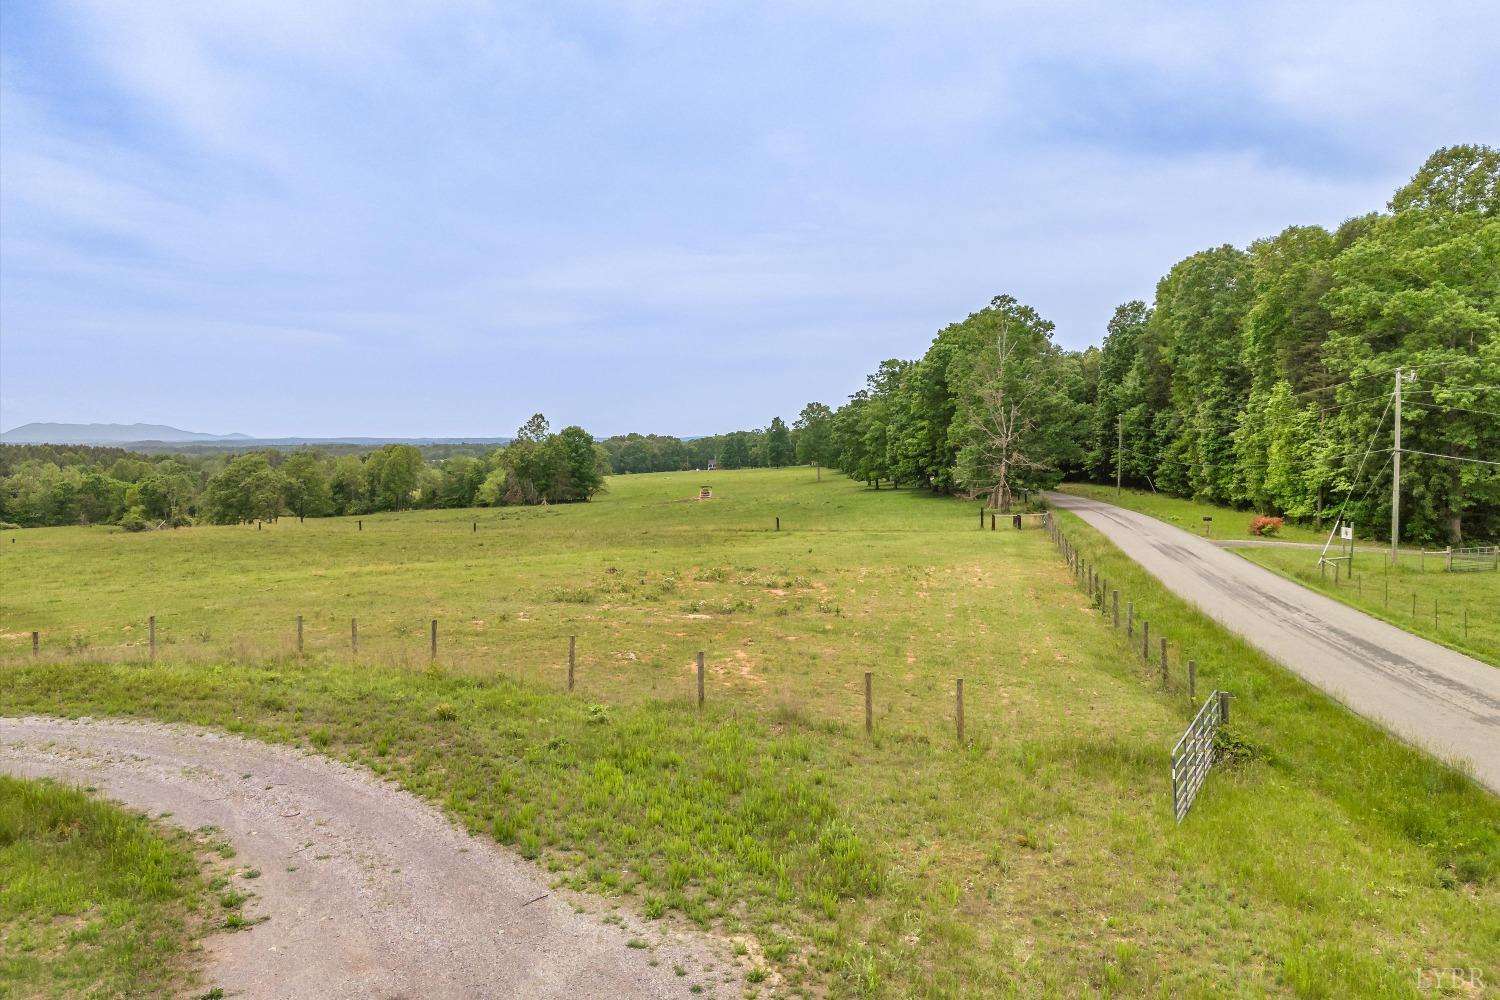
[(36, 643), (869, 702), (992, 522), (361, 524), (1130, 619), (1164, 678), (1114, 599), (1192, 680), (778, 523), (151, 634), (354, 635), (700, 678), (1223, 706), (981, 519), (959, 704), (432, 654), (572, 648), (299, 634), (1145, 640)]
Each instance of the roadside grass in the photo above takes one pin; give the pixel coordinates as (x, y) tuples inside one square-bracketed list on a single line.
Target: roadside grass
[(1189, 514), (95, 901), (1038, 859), (1460, 610)]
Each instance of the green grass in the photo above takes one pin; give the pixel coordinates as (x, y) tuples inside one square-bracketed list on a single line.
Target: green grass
[(1461, 610), (1189, 514), (1039, 859), (94, 901)]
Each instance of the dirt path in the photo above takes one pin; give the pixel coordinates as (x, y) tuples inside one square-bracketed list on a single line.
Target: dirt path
[(1429, 695), (369, 891)]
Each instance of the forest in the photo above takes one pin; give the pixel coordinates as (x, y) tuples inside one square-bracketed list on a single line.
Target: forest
[(1261, 378)]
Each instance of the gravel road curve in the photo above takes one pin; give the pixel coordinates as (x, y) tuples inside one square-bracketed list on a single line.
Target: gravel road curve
[(369, 891), (1427, 694)]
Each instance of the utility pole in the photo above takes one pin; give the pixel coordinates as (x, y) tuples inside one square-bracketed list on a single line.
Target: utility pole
[(1396, 476), (1120, 454)]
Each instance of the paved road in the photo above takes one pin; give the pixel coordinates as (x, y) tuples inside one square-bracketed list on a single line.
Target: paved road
[(1427, 694), (368, 891)]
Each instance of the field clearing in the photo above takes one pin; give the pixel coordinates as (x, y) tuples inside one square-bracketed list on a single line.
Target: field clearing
[(1460, 610), (1039, 859)]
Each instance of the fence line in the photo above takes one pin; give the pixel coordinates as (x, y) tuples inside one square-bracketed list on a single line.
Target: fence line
[(1190, 761)]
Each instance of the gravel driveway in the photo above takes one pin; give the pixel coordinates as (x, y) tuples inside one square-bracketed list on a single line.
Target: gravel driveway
[(1430, 695), (369, 891)]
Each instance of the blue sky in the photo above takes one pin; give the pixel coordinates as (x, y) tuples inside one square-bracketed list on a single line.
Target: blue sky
[(436, 219)]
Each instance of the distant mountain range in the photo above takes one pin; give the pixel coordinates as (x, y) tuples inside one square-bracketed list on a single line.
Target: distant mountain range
[(126, 434), (107, 434)]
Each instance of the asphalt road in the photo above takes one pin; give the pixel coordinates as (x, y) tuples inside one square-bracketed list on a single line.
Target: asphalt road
[(366, 890), (1427, 694)]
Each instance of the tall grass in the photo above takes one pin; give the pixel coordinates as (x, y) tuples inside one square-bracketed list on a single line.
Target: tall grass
[(94, 900)]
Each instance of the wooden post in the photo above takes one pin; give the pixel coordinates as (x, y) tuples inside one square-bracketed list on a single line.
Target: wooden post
[(1414, 604), (992, 522), (361, 524), (778, 524), (1164, 678), (354, 635), (1114, 598), (299, 634), (869, 702), (700, 678), (476, 528), (959, 704), (432, 655), (572, 649), (151, 634), (1466, 621), (1223, 706), (1130, 619), (36, 643), (1145, 640), (981, 519), (1192, 680)]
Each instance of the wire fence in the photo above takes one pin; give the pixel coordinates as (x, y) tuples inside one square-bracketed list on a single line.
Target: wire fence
[(1154, 651)]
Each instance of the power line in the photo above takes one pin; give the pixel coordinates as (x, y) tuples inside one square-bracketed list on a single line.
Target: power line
[(1456, 458), (1355, 481), (1449, 406), (1422, 367)]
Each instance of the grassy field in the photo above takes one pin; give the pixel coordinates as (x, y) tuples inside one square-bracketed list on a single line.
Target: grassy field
[(1038, 858), (94, 901), (1461, 610), (1189, 514)]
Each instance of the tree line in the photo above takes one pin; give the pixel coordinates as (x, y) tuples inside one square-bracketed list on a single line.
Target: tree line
[(1261, 378), (54, 485)]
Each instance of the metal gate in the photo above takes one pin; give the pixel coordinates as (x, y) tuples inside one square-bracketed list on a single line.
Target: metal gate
[(1474, 557), (1193, 755)]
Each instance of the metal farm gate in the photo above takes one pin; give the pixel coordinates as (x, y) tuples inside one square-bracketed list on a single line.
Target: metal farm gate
[(1193, 755)]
